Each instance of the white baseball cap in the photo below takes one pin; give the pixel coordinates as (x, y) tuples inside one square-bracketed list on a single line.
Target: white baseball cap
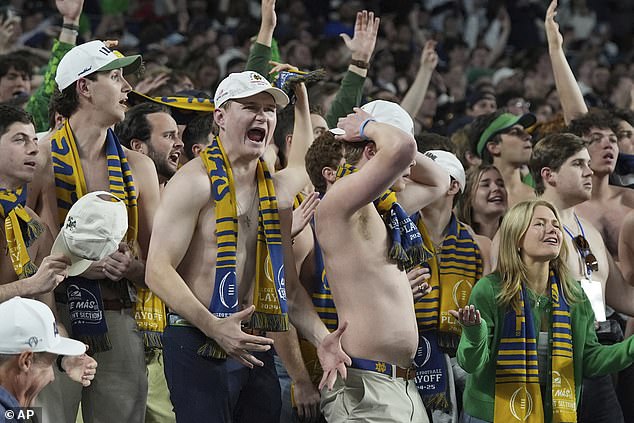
[(450, 163), (30, 325), (92, 230), (386, 112), (91, 57), (245, 84)]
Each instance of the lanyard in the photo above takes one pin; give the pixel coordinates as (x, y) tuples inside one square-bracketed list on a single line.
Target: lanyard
[(587, 270)]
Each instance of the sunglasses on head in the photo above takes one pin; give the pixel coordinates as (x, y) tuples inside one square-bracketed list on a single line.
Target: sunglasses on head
[(584, 249)]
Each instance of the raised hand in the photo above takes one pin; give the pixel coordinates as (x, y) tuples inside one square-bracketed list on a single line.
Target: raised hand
[(332, 357), (228, 334), (555, 39), (304, 213), (70, 9), (467, 316), (80, 368), (52, 271), (362, 43), (418, 277), (352, 125), (146, 85), (429, 58)]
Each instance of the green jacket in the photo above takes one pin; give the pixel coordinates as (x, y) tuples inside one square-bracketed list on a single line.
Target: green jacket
[(40, 99), (348, 96), (477, 351)]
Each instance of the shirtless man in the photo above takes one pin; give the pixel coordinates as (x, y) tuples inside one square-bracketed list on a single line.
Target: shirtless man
[(18, 151), (81, 157), (184, 252), (501, 139), (561, 168), (379, 308), (18, 157), (608, 204)]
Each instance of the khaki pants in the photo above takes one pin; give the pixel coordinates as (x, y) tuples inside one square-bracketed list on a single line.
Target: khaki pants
[(159, 407), (372, 397)]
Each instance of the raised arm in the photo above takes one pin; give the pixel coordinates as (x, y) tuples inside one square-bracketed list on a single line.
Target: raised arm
[(361, 47), (505, 31), (174, 224), (260, 53), (290, 180), (395, 152), (415, 96), (429, 182), (570, 96), (38, 103)]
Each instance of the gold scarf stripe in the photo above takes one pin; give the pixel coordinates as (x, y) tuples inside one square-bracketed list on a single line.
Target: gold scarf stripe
[(18, 242)]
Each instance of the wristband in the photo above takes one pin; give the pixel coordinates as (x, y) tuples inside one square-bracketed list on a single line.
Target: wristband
[(59, 363), (362, 127), (72, 27), (360, 63)]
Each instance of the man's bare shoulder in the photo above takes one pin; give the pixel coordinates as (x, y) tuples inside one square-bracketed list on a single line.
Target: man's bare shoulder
[(625, 195), (190, 183), (140, 164)]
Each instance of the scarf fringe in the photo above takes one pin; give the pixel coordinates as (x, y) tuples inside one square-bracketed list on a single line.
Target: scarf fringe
[(210, 349), (152, 339), (398, 254), (33, 230), (269, 322), (96, 343), (29, 269), (437, 402), (448, 342)]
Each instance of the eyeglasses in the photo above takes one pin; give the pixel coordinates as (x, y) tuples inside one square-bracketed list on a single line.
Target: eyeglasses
[(584, 249)]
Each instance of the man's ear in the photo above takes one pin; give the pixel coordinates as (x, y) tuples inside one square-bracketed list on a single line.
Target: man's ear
[(548, 176), (454, 187), (494, 148), (25, 360), (138, 145), (329, 174), (219, 117), (81, 85), (369, 150), (196, 149)]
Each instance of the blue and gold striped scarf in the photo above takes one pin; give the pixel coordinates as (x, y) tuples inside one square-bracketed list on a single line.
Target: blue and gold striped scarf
[(322, 296), (517, 391), (407, 245), (269, 294), (20, 230), (455, 268), (70, 185)]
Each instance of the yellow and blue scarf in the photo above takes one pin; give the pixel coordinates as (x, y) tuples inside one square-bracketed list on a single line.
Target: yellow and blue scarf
[(454, 269), (517, 391), (407, 245), (85, 305), (17, 224), (322, 296), (269, 294)]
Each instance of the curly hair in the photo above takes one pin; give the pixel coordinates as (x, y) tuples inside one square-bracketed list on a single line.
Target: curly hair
[(325, 151), (595, 118)]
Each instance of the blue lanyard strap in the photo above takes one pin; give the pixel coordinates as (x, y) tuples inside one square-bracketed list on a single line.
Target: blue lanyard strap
[(581, 253)]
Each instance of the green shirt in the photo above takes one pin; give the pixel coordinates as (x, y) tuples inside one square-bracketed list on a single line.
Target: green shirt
[(477, 351), (348, 96), (39, 101)]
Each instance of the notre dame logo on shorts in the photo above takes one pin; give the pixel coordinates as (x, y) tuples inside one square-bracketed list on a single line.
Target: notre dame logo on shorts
[(380, 367)]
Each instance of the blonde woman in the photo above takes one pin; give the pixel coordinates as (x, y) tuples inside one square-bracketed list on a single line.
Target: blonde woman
[(528, 334)]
